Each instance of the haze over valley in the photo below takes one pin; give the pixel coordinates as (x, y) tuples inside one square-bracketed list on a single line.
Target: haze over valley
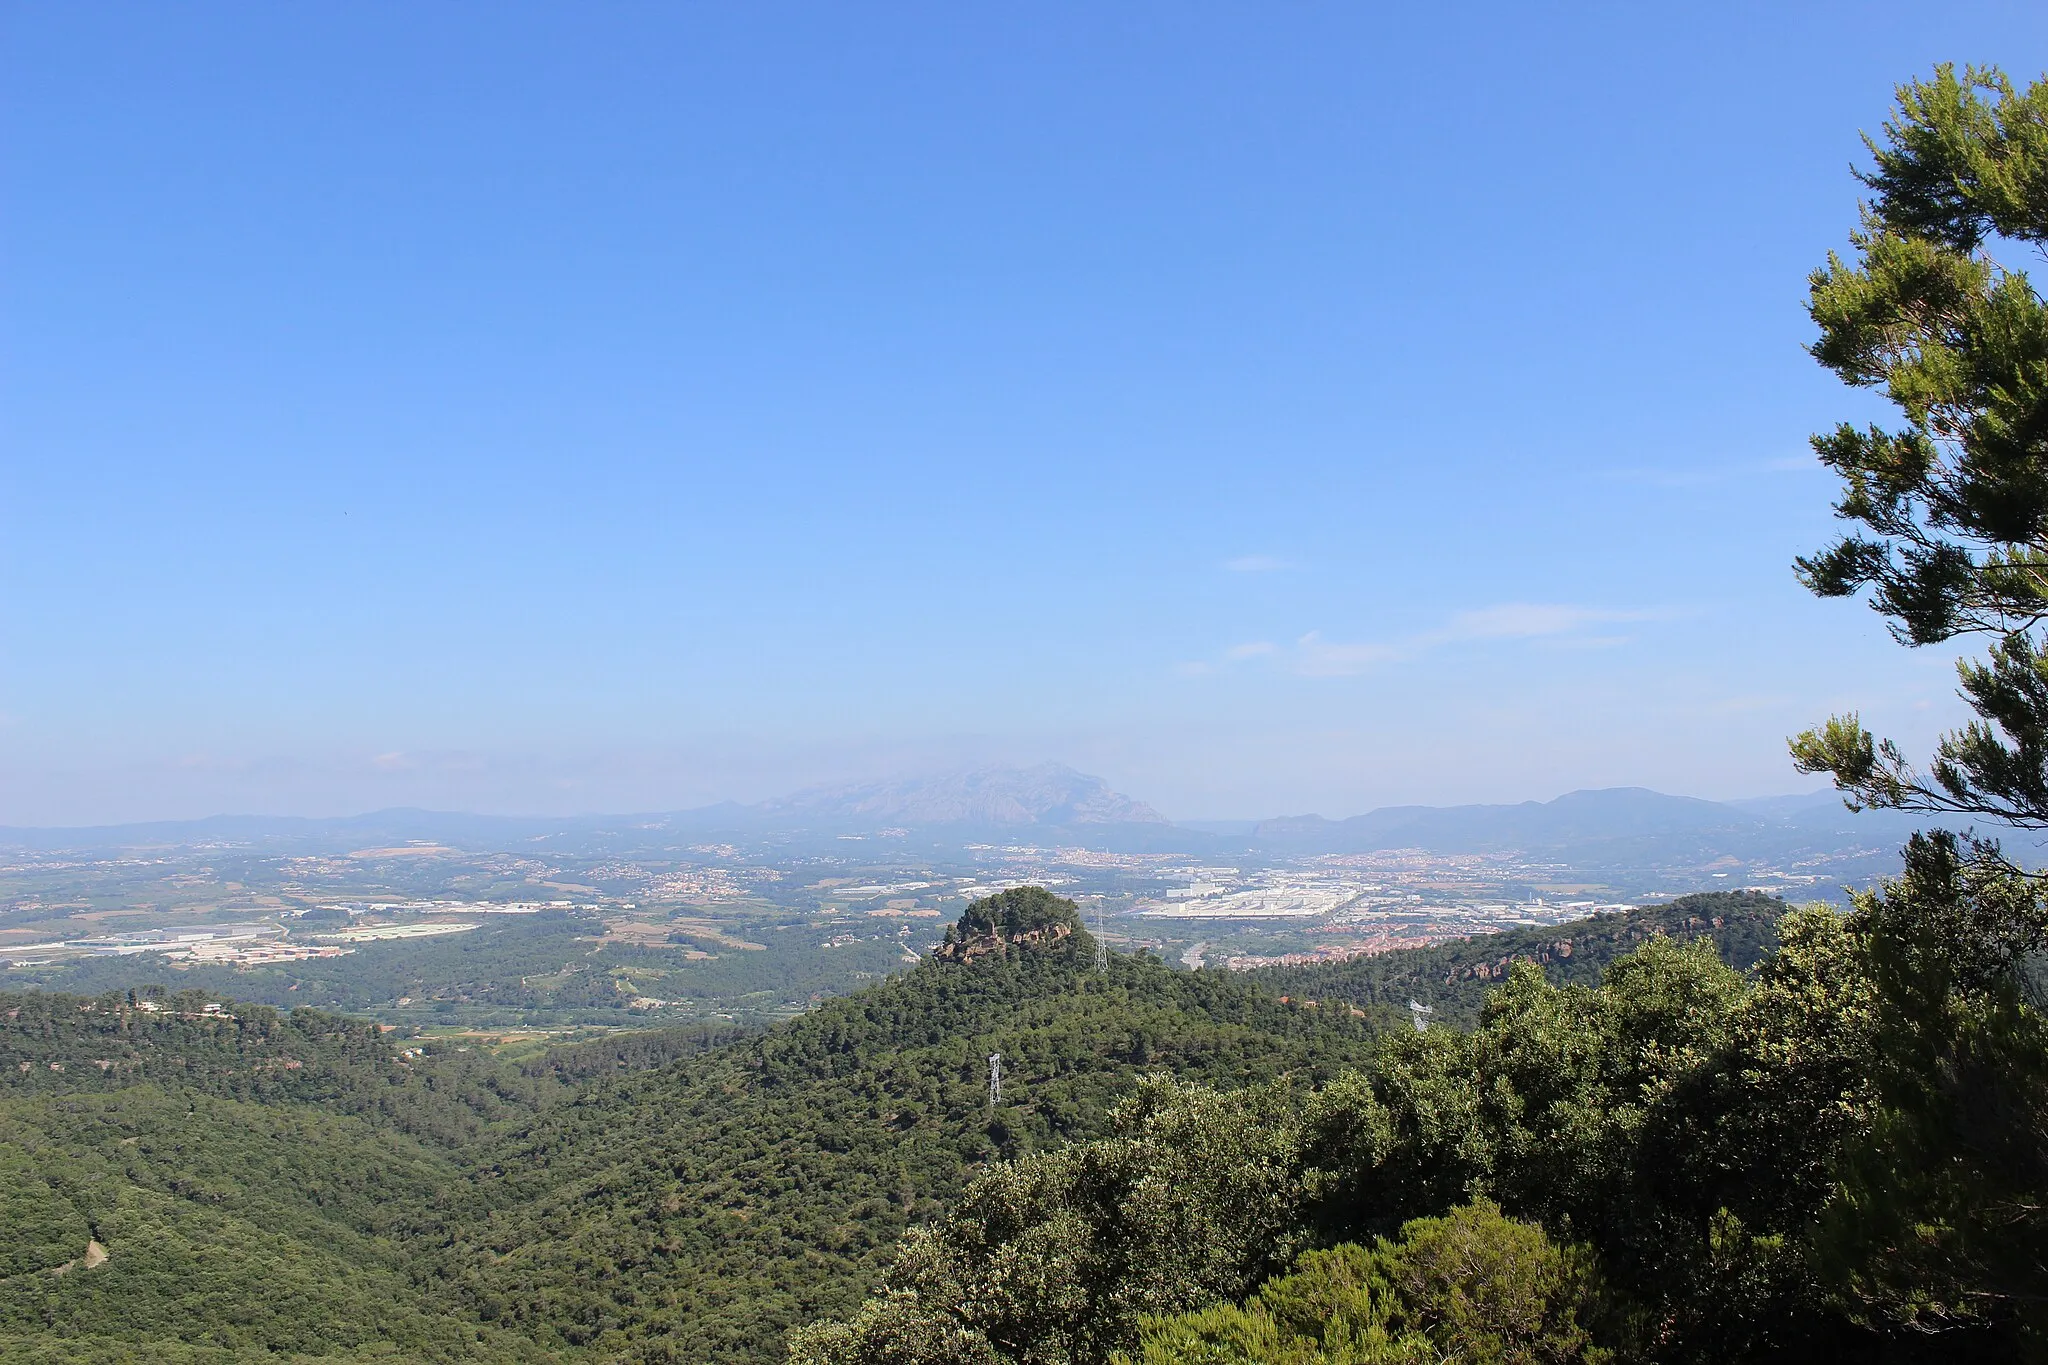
[(758, 911)]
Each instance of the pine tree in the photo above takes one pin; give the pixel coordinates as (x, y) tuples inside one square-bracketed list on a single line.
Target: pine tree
[(1952, 507)]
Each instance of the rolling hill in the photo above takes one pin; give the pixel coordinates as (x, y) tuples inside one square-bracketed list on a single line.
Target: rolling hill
[(1453, 977), (264, 1185), (580, 1203), (706, 1208)]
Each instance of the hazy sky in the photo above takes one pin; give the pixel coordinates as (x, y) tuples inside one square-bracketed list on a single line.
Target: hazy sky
[(1270, 408)]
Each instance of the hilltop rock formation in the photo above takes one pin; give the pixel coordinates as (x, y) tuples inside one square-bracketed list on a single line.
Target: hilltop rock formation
[(1028, 917)]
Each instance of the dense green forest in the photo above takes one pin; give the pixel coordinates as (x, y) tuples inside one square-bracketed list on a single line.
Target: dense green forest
[(226, 1178), (60, 1044), (223, 1222), (1454, 978), (1838, 1154), (1645, 1162), (711, 1206), (683, 1193)]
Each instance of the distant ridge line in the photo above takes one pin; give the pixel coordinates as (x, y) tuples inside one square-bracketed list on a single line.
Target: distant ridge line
[(1055, 804)]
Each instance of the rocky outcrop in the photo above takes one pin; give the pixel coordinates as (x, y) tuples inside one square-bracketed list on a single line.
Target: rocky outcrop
[(1028, 917), (982, 945)]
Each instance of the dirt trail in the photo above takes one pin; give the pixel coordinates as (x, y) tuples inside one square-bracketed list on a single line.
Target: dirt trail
[(95, 1257)]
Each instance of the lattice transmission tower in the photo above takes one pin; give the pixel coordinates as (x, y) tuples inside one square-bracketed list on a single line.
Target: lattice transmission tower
[(1420, 1013), (995, 1079)]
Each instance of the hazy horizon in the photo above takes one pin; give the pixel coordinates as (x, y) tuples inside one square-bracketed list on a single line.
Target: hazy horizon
[(631, 410), (1176, 818)]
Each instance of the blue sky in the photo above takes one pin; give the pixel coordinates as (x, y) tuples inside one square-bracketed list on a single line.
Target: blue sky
[(1273, 409)]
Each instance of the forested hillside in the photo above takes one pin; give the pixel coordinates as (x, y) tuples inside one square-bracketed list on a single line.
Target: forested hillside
[(304, 1182), (1455, 977), (1836, 1157), (190, 1041), (150, 1213), (1180, 1166), (223, 1177), (704, 1209)]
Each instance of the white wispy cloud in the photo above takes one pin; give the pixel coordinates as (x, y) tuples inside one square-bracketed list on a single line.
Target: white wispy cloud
[(1564, 625), (1524, 621), (1259, 564), (1700, 476)]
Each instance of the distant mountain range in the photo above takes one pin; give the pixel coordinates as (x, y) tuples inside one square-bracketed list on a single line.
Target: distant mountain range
[(1582, 817), (1055, 803), (997, 801), (1576, 816)]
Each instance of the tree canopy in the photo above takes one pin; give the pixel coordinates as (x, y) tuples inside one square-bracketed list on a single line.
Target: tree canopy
[(1951, 506)]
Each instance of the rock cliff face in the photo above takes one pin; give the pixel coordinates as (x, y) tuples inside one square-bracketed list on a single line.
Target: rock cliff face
[(981, 945), (1028, 917)]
